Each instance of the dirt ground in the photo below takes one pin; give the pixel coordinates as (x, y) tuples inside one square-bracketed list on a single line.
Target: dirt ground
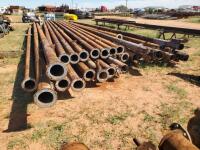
[(104, 116), (174, 23)]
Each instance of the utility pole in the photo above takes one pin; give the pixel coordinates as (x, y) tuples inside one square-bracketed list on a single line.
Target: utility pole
[(126, 3)]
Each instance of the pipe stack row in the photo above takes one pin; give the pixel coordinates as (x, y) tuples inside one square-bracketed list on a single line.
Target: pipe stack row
[(59, 56), (140, 48)]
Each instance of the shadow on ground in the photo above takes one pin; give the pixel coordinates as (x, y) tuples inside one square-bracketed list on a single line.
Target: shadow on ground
[(193, 128), (18, 114), (187, 77)]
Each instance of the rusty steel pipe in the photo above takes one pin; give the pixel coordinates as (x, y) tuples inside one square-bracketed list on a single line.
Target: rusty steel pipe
[(102, 74), (115, 48), (45, 95), (55, 69), (74, 57), (63, 84), (93, 43), (29, 83), (123, 67), (136, 48), (94, 52), (111, 70), (162, 43), (91, 64), (85, 72), (104, 50), (77, 84), (47, 34), (123, 57), (83, 54), (61, 54), (36, 53)]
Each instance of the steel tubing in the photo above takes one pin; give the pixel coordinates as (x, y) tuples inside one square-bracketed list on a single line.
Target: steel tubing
[(36, 53), (123, 67), (83, 54), (29, 83), (115, 49), (47, 34), (85, 72), (73, 56), (94, 52), (55, 69), (137, 48), (102, 74), (77, 84), (45, 95), (110, 69), (124, 57), (162, 43), (91, 64), (62, 56), (93, 43), (63, 84), (105, 50)]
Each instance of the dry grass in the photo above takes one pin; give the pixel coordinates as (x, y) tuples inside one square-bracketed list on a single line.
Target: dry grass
[(14, 40), (105, 117)]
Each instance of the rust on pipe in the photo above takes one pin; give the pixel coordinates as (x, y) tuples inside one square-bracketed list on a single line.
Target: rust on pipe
[(91, 64), (83, 54), (47, 34), (85, 72), (55, 69), (115, 48), (61, 54), (123, 67), (105, 52), (162, 43), (77, 84), (36, 53), (111, 70), (45, 95), (124, 57), (102, 74), (94, 52), (62, 85), (74, 57), (29, 82)]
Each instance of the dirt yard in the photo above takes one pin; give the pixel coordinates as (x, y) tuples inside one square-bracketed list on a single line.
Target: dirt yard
[(104, 116), (182, 23)]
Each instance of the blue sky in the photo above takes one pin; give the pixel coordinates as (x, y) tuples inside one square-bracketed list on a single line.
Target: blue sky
[(97, 3)]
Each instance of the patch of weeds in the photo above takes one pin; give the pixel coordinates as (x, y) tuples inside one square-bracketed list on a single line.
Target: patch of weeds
[(151, 135), (116, 119), (107, 135), (148, 118), (55, 136), (174, 113), (51, 134), (17, 144), (182, 93), (38, 134)]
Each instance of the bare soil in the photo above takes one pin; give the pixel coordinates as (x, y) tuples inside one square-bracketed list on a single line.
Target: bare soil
[(174, 23)]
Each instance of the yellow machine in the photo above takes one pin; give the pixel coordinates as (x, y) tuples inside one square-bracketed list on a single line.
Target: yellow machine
[(70, 17)]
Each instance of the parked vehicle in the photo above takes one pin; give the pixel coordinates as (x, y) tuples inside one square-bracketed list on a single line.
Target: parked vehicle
[(4, 25), (29, 17), (49, 16)]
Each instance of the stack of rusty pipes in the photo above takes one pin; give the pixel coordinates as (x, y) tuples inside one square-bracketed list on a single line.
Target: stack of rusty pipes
[(167, 50), (58, 58)]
